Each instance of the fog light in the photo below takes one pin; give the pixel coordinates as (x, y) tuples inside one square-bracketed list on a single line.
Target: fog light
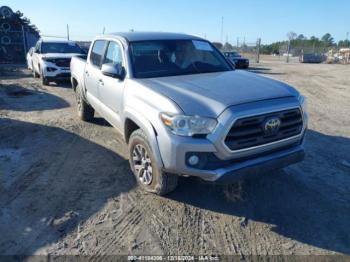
[(193, 160)]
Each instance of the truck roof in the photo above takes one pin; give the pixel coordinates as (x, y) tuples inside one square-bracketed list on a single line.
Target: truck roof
[(144, 36)]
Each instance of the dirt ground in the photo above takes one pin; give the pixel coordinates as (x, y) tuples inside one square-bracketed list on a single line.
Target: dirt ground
[(66, 187)]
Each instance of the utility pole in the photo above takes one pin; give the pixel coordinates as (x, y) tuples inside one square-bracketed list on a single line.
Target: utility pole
[(103, 31), (347, 36), (24, 42), (258, 43), (222, 30), (67, 32), (237, 42), (288, 50)]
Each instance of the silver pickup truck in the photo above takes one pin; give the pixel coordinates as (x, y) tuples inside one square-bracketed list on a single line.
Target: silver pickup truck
[(184, 110)]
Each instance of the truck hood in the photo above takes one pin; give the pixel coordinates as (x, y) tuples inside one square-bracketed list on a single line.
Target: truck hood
[(210, 94), (60, 55)]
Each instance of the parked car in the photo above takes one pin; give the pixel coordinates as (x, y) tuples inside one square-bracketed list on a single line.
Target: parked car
[(311, 58), (183, 110), (29, 58), (237, 59), (51, 59)]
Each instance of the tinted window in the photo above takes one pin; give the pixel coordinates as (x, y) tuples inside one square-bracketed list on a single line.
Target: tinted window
[(175, 57), (64, 48), (97, 52), (113, 54)]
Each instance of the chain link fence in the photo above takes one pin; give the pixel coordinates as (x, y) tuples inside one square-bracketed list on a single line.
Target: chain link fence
[(15, 37), (250, 50)]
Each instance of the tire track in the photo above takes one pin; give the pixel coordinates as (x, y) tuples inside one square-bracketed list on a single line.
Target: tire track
[(124, 227)]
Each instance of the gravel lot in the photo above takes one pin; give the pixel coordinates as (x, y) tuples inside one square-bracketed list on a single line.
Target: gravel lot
[(66, 187)]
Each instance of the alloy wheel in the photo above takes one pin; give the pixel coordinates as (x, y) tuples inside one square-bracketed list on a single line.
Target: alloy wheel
[(142, 164)]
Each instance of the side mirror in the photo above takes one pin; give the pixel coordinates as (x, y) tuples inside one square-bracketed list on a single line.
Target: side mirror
[(113, 70)]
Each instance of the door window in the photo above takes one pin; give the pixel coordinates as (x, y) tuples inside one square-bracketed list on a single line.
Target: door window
[(97, 52), (113, 54)]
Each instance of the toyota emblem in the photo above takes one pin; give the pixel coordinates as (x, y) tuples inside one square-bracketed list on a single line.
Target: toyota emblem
[(272, 125)]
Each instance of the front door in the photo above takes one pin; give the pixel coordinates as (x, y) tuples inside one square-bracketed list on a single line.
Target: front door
[(111, 89)]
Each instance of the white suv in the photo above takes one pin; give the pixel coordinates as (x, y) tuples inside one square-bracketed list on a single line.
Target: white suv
[(51, 59)]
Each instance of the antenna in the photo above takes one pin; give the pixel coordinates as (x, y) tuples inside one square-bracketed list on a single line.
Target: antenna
[(222, 30), (67, 32)]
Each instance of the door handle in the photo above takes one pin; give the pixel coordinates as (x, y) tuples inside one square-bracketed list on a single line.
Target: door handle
[(87, 73), (101, 82)]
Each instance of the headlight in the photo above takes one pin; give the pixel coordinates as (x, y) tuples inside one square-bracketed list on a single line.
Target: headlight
[(303, 103), (188, 125)]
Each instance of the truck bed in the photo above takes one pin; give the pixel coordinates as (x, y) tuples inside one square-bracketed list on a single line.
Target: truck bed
[(77, 67)]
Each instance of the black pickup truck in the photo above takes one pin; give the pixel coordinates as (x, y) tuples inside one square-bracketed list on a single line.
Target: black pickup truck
[(237, 59)]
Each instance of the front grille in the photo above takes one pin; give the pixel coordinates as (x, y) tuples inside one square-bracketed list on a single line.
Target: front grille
[(242, 62), (62, 62), (249, 131)]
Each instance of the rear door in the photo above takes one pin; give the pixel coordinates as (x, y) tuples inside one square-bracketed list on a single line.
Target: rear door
[(92, 72), (111, 89)]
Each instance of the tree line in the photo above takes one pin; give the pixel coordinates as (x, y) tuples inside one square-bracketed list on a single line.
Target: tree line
[(300, 43), (19, 16)]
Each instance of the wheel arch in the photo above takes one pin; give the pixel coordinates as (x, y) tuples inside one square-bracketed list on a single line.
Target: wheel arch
[(134, 120), (74, 82)]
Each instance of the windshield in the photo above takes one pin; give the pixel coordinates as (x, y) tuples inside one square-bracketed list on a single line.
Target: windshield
[(64, 48), (159, 58), (232, 54)]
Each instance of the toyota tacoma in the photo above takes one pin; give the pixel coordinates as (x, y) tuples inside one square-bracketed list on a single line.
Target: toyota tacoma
[(184, 111)]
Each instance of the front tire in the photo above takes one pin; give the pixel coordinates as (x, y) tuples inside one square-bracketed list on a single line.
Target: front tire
[(44, 80), (144, 166), (85, 111)]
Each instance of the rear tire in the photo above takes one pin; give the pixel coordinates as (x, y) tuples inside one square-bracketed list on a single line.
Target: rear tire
[(85, 111), (144, 166)]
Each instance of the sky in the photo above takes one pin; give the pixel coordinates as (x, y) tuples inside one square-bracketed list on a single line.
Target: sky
[(269, 20)]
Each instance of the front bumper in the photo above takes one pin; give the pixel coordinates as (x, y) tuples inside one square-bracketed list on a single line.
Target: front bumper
[(232, 170), (58, 77), (258, 165)]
